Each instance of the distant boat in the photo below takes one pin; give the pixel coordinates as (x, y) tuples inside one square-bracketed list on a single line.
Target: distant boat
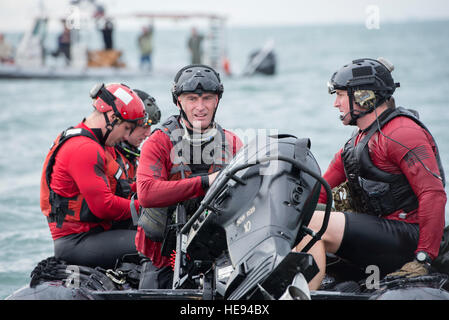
[(262, 61), (11, 71), (31, 60)]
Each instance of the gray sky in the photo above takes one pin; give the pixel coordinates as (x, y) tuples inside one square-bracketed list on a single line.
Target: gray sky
[(15, 15)]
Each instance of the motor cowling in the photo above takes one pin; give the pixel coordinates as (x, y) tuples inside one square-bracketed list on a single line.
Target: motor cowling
[(258, 215)]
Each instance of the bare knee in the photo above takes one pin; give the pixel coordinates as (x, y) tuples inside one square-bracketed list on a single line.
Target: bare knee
[(333, 235)]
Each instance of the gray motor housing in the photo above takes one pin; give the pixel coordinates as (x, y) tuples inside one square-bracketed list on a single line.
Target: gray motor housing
[(258, 220)]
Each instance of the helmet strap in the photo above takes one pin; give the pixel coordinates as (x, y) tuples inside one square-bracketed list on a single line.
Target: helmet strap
[(356, 116), (184, 115), (215, 111), (109, 127)]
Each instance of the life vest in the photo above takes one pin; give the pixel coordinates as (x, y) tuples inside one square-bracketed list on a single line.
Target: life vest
[(374, 191), (54, 206), (183, 168), (118, 170), (154, 221)]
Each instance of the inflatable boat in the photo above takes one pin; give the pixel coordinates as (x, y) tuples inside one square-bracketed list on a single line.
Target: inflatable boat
[(238, 244)]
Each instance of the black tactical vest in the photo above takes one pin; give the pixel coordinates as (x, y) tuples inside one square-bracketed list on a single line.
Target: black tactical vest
[(186, 163), (372, 190)]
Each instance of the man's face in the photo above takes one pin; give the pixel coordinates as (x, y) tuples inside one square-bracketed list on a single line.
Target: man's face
[(119, 133), (199, 109), (139, 135), (342, 104)]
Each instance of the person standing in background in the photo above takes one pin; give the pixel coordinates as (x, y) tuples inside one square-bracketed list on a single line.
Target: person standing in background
[(6, 52), (64, 43), (107, 31), (145, 42), (106, 27), (194, 44)]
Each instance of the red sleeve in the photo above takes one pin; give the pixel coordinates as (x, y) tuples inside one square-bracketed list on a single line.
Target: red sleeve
[(154, 190), (428, 189), (87, 167), (153, 187), (334, 175)]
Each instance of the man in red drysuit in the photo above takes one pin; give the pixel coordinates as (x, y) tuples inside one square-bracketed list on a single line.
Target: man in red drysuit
[(76, 196), (394, 178), (180, 161)]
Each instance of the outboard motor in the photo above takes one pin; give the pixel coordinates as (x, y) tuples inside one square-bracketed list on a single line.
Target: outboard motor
[(256, 211), (298, 290)]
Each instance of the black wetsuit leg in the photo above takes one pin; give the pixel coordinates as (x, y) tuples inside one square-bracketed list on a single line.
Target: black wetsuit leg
[(370, 240), (96, 247)]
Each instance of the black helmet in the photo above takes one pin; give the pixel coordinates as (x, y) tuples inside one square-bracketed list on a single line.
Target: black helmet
[(151, 108), (196, 78), (368, 75), (364, 74)]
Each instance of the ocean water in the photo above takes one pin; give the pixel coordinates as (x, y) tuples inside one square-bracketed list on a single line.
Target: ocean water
[(294, 101)]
